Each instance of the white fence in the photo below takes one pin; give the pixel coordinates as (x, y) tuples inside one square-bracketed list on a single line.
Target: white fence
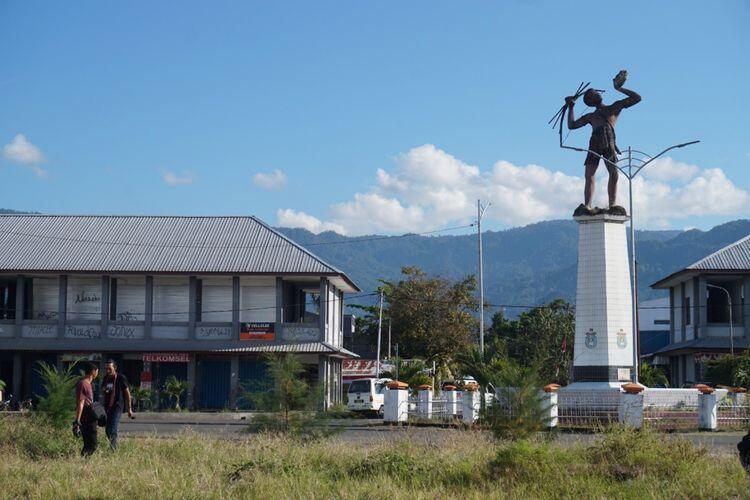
[(658, 408)]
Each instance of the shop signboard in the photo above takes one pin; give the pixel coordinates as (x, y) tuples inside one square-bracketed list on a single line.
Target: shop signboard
[(70, 357), (363, 368), (257, 331), (704, 357), (166, 357)]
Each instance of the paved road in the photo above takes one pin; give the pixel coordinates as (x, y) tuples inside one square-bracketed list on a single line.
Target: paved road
[(370, 431)]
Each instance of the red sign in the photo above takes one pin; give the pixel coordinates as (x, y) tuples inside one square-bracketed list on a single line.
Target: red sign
[(257, 331), (167, 357)]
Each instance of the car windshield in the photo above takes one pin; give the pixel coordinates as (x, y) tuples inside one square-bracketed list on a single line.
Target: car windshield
[(379, 388), (360, 386)]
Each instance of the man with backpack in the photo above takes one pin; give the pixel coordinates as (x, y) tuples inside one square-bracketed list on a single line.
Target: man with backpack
[(116, 397), (86, 420)]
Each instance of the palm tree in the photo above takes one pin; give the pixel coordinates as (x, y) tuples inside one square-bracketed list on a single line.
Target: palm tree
[(174, 389), (414, 372)]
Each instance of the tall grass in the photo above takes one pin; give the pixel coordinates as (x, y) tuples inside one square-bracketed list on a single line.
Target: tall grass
[(462, 464)]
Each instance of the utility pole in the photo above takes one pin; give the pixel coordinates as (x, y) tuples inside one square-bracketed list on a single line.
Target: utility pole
[(380, 326), (389, 338), (480, 213)]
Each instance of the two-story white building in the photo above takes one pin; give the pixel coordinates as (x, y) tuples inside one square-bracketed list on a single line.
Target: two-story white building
[(200, 298), (700, 318)]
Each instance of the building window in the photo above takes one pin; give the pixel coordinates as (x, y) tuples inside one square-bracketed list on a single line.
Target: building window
[(686, 311), (257, 300), (8, 298), (717, 303), (302, 303)]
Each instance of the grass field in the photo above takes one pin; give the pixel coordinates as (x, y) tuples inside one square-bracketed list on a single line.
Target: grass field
[(40, 463)]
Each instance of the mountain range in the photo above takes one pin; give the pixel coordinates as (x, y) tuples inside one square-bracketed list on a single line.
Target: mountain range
[(523, 266)]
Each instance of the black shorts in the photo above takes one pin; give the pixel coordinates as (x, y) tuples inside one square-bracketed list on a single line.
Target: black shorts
[(593, 159)]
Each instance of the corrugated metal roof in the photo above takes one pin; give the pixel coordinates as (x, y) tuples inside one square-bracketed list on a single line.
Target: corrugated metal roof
[(706, 343), (733, 256), (301, 348), (152, 244)]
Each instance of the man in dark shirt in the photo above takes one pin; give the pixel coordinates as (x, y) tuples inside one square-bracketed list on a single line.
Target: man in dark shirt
[(85, 422), (115, 396)]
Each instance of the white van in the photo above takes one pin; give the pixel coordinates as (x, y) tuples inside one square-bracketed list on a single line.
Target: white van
[(367, 395)]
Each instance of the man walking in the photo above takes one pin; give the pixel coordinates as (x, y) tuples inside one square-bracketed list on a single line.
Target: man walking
[(116, 395), (85, 422)]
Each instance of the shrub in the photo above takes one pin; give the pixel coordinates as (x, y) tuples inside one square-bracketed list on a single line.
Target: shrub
[(518, 410), (292, 406), (34, 436), (625, 453), (59, 403), (175, 388)]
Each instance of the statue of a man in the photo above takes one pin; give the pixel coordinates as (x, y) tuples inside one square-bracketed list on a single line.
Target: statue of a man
[(602, 143)]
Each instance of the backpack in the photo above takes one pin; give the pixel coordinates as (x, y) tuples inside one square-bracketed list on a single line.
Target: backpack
[(98, 413)]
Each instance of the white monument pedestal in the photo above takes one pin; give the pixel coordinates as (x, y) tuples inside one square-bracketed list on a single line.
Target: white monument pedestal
[(603, 352)]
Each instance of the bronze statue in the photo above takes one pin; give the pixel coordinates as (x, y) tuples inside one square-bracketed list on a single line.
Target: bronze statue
[(602, 143)]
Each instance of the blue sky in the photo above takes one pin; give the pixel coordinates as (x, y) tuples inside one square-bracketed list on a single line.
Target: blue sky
[(176, 107)]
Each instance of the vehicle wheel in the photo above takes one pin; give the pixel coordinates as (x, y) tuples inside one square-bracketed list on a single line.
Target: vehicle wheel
[(381, 412)]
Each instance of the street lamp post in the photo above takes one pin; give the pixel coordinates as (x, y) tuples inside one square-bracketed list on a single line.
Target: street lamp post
[(731, 327), (630, 170)]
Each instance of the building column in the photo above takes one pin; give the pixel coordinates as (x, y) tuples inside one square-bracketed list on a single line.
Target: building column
[(235, 307), (62, 304), (279, 304), (672, 331), (234, 379), (699, 294), (190, 396), (323, 379), (17, 374), (148, 316), (684, 313), (20, 282), (323, 309)]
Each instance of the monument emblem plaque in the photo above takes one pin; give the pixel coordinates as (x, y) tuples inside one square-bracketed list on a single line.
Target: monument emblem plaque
[(590, 339)]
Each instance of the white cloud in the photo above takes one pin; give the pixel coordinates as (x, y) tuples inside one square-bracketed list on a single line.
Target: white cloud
[(429, 188), (292, 218), (667, 169), (20, 150), (177, 178), (270, 180)]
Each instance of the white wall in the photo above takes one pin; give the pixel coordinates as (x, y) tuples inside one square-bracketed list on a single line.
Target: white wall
[(171, 298), (45, 300), (130, 302), (84, 298), (217, 299)]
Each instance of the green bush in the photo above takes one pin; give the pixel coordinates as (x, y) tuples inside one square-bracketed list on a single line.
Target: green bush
[(625, 453), (34, 437), (59, 403), (519, 410), (730, 370)]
